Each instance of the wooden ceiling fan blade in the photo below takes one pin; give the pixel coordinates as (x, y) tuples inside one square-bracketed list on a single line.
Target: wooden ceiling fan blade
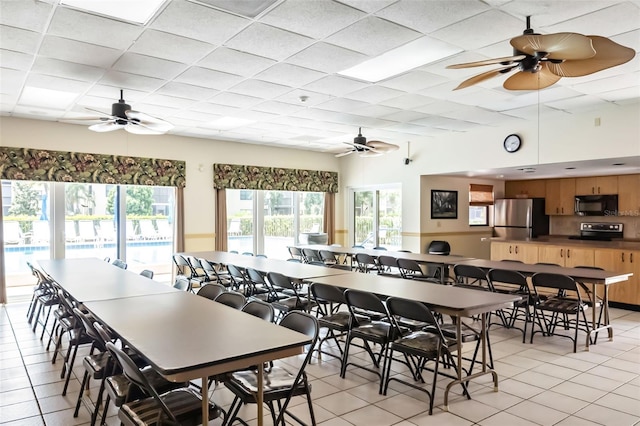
[(505, 61), (484, 76), (525, 80), (558, 46), (608, 54), (381, 146)]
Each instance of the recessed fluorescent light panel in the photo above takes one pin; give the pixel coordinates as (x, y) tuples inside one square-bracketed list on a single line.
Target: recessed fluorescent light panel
[(134, 11), (248, 8), (419, 52), (46, 98)]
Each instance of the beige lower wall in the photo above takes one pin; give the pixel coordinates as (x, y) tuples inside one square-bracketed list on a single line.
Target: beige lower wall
[(468, 244), (199, 242)]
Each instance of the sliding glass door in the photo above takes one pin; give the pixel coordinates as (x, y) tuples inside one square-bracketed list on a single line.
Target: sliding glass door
[(266, 222), (377, 218)]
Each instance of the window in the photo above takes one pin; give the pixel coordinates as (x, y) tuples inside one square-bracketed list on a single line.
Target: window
[(377, 217), (480, 198), (266, 222)]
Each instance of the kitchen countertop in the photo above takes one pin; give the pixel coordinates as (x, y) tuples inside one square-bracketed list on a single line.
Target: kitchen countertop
[(626, 244)]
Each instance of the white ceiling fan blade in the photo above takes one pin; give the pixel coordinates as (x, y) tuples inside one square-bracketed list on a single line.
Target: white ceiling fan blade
[(371, 153), (149, 121), (106, 127), (102, 113), (342, 154), (138, 129)]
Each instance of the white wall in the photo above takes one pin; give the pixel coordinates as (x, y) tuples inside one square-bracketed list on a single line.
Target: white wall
[(198, 154)]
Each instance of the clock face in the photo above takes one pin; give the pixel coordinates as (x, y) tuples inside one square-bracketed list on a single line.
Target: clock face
[(512, 143)]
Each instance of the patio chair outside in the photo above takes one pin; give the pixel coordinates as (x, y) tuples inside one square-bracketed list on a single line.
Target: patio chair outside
[(131, 231), (70, 233), (234, 227), (12, 232), (147, 230), (165, 231), (86, 230), (40, 232)]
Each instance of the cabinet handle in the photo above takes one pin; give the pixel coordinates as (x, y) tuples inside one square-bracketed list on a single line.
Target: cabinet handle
[(622, 256), (568, 253), (562, 210), (598, 190), (593, 190), (509, 249), (561, 250), (557, 210), (630, 257), (516, 249)]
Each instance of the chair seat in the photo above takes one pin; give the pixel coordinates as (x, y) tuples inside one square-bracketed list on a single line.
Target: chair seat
[(375, 330), (185, 404), (562, 305), (96, 364), (421, 343), (293, 303), (277, 383), (119, 387), (338, 321), (468, 334)]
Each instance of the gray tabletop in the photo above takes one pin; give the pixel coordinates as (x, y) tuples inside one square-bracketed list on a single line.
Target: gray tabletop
[(94, 279), (184, 336), (451, 259), (298, 271), (594, 276)]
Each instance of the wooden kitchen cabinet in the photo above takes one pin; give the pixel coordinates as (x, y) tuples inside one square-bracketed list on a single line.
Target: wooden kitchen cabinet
[(527, 253), (629, 195), (560, 196), (623, 261), (565, 256), (535, 188), (597, 185)]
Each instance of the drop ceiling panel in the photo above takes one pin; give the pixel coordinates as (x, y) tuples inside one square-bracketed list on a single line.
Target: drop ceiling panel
[(486, 28), (311, 98), (33, 18), (268, 41), (18, 39), (408, 101), (326, 57), (281, 108), (342, 105), (131, 81), (168, 101), (198, 22), (79, 52), (11, 81), (369, 6), (335, 85), (373, 36), (374, 94), (198, 76), (15, 60), (376, 111), (315, 19), (149, 66), (80, 26), (235, 100), (170, 46), (413, 81), (236, 62), (428, 16), (262, 89), (291, 75), (187, 91), (606, 22), (66, 69)]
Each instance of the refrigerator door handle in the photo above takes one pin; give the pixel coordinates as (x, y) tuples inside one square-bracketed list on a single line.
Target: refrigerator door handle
[(529, 229)]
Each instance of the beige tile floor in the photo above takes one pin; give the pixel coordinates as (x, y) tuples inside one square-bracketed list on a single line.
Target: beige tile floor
[(543, 383)]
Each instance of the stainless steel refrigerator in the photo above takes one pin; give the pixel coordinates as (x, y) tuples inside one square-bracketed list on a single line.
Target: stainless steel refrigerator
[(520, 218)]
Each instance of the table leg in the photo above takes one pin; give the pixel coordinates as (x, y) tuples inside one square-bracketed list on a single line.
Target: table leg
[(485, 370), (205, 400), (605, 313), (259, 396)]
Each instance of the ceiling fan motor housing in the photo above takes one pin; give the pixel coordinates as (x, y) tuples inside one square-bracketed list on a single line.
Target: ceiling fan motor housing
[(360, 140), (118, 110)]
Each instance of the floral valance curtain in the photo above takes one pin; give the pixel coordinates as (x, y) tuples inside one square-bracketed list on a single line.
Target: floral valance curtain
[(62, 166), (235, 176)]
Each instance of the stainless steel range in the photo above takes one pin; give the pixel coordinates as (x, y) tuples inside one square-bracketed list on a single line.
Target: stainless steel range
[(599, 231)]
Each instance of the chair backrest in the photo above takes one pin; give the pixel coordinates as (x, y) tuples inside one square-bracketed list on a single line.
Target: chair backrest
[(264, 256), (147, 273), (502, 279), (236, 274), (327, 256), (389, 261), (404, 251), (119, 263), (311, 255), (379, 248), (294, 260), (247, 253), (260, 309), (184, 268), (364, 300), (360, 246), (231, 298), (211, 290), (554, 281), (439, 247), (182, 283), (339, 266), (467, 275), (409, 268), (364, 260), (327, 293), (90, 329), (103, 333), (413, 310), (295, 252), (255, 276), (133, 373), (279, 280)]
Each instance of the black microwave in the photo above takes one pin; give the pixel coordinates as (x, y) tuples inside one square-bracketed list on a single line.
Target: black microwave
[(597, 205)]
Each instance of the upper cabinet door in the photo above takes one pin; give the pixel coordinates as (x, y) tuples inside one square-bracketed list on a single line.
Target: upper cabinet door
[(597, 185)]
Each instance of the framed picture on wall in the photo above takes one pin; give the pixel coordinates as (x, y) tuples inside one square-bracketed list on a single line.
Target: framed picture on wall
[(444, 204)]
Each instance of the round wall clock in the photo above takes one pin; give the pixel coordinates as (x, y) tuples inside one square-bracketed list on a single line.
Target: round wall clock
[(512, 143)]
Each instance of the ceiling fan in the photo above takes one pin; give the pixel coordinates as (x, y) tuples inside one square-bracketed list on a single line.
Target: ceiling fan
[(123, 117), (541, 60), (367, 149)]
